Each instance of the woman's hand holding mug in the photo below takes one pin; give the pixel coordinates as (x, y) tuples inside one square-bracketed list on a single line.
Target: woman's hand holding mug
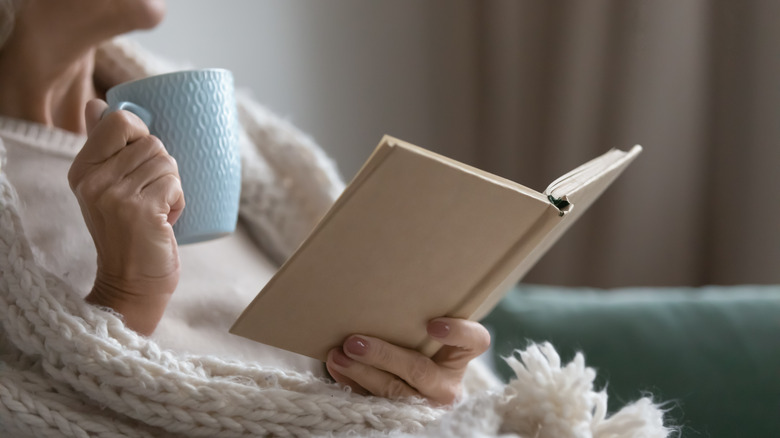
[(130, 194), (131, 191)]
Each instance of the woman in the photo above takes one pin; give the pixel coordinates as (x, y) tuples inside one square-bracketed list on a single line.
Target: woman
[(129, 195)]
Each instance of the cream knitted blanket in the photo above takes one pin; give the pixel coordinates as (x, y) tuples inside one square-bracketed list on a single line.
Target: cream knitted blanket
[(71, 369)]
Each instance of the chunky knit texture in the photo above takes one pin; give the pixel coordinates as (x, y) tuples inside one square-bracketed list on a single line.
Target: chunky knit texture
[(71, 369)]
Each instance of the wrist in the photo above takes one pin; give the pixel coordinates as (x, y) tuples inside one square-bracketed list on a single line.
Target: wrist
[(142, 306)]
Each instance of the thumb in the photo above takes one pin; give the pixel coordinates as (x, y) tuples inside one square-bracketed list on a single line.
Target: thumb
[(93, 113)]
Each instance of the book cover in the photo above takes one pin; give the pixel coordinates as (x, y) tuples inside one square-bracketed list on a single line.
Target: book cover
[(415, 236)]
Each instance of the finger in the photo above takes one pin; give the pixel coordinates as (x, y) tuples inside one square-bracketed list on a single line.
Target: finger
[(463, 341), (373, 380), (419, 371), (177, 206), (113, 132), (341, 378), (150, 171), (118, 167), (168, 189), (129, 158), (92, 113)]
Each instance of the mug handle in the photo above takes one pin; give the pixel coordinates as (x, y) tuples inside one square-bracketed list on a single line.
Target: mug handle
[(138, 110)]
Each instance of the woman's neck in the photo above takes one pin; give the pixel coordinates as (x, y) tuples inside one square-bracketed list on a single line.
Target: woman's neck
[(45, 84), (50, 99), (47, 65)]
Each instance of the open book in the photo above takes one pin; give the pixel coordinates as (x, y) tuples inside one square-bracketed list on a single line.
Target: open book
[(413, 237)]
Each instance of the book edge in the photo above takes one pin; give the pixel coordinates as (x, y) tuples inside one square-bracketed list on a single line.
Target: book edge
[(378, 156), (482, 174), (621, 160)]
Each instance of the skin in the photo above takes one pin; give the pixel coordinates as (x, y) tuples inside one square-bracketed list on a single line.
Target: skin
[(130, 195), (372, 366), (47, 64)]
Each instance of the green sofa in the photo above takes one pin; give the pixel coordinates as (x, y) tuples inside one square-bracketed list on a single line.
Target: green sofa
[(711, 354)]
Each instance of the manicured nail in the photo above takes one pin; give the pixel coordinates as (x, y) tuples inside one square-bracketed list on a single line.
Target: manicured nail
[(438, 329), (341, 359), (357, 346)]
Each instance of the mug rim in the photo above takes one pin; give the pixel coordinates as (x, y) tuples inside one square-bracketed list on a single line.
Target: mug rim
[(169, 74)]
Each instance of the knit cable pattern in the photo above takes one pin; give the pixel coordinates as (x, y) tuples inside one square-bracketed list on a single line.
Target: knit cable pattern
[(90, 351)]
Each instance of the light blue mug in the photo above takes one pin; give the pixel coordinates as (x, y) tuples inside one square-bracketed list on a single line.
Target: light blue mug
[(194, 115)]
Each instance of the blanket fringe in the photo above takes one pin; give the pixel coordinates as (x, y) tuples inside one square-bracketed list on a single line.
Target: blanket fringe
[(71, 369), (547, 400)]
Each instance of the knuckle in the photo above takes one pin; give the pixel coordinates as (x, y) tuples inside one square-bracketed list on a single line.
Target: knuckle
[(171, 182), (87, 188), (155, 141), (157, 165), (107, 201), (451, 395), (86, 192), (114, 203), (171, 162), (161, 161), (73, 177), (382, 354), (119, 118), (156, 144), (483, 339), (162, 158), (395, 389), (421, 371), (150, 145), (126, 122)]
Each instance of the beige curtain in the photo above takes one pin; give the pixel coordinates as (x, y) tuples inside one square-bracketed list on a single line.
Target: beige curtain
[(531, 89)]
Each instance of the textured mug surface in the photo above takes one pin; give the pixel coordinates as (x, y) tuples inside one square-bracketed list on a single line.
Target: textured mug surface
[(194, 115)]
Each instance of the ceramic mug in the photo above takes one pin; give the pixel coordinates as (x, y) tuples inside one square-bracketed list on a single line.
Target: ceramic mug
[(194, 115)]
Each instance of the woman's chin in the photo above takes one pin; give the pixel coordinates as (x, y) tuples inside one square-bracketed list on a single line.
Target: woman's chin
[(150, 13)]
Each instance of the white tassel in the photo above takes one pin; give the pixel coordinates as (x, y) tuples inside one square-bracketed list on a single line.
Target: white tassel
[(547, 400)]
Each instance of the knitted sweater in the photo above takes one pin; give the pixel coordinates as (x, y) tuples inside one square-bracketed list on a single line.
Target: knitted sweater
[(70, 369), (218, 278)]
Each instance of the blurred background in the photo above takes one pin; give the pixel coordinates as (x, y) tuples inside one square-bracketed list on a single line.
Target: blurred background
[(530, 89)]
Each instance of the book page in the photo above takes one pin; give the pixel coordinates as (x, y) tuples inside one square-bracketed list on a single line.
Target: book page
[(568, 184)]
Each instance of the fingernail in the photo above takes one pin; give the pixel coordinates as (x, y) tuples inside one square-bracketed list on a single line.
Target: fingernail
[(357, 346), (438, 329), (341, 359)]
